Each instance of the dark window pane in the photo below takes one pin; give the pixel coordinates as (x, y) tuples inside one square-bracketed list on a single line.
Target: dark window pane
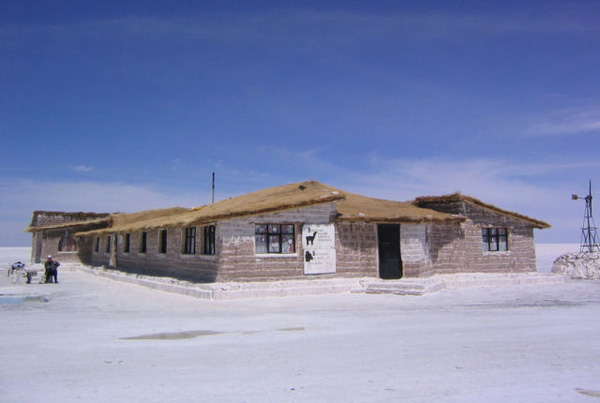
[(275, 238), (209, 240), (287, 244), (502, 244), (274, 244), (261, 244)]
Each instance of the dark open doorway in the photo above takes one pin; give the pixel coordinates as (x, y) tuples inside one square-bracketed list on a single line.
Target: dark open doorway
[(390, 263)]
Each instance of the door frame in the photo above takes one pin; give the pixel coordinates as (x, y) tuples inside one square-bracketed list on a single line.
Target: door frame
[(396, 247)]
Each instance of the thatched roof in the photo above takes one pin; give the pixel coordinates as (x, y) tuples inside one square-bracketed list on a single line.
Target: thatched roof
[(279, 198), (295, 195), (143, 219), (350, 207), (430, 201), (73, 225), (361, 208), (75, 220)]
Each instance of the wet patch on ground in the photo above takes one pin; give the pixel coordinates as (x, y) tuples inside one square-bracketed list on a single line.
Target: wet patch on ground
[(292, 329), (173, 335), (191, 334), (592, 393), (17, 299)]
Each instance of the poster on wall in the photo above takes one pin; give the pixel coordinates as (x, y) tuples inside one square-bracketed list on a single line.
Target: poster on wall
[(318, 241)]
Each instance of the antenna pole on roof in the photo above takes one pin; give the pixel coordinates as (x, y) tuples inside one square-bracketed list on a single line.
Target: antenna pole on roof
[(213, 187)]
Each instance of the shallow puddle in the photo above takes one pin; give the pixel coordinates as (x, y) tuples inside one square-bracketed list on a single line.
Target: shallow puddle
[(592, 393), (173, 335), (15, 299), (291, 329), (191, 334)]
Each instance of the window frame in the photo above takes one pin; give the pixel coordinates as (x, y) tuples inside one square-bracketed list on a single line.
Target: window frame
[(189, 240), (495, 239), (127, 243), (108, 244), (143, 242), (97, 247), (275, 231), (163, 239), (67, 244), (209, 238)]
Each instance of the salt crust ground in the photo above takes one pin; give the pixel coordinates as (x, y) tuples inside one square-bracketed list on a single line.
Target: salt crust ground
[(231, 291), (100, 340)]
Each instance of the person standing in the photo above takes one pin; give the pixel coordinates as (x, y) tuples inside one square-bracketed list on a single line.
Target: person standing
[(51, 270)]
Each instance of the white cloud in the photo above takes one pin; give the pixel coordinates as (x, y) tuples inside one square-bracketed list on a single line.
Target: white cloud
[(82, 168)]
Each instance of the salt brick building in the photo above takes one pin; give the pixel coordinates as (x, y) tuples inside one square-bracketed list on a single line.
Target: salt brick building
[(297, 231)]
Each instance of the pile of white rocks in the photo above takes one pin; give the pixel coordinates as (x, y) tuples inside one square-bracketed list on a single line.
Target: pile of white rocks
[(578, 265)]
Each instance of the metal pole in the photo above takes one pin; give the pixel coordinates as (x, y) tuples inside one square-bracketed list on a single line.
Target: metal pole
[(589, 215), (213, 187)]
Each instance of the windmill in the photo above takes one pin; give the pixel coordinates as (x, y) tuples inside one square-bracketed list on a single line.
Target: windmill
[(589, 242)]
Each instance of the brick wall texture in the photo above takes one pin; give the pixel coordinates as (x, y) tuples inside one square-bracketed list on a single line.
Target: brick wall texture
[(458, 247)]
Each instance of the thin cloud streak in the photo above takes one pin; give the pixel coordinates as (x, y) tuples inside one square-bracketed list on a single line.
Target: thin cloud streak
[(568, 122), (335, 27)]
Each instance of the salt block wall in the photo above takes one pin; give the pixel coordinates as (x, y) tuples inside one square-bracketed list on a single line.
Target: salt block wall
[(356, 249), (414, 250), (237, 258), (174, 263), (458, 247), (46, 243)]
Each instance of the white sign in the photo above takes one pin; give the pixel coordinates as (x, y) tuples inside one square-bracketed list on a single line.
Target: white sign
[(318, 241)]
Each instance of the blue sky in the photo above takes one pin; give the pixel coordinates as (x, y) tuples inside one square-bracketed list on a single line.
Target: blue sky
[(131, 105)]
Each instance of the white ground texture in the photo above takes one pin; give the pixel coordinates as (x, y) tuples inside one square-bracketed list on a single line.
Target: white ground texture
[(93, 339)]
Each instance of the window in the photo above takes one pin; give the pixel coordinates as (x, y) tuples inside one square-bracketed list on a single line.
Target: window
[(108, 244), (275, 238), (97, 248), (494, 239), (67, 244), (162, 244), (189, 245), (127, 243), (143, 240), (209, 240)]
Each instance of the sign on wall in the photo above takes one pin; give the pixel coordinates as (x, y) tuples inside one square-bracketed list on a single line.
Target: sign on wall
[(318, 241)]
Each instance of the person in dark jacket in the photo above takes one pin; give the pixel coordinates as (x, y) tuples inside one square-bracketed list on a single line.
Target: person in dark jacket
[(51, 271)]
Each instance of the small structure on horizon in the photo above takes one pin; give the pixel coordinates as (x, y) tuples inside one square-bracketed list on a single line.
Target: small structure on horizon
[(589, 241)]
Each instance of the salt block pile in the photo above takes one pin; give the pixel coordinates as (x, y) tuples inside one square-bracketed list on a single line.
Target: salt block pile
[(578, 265)]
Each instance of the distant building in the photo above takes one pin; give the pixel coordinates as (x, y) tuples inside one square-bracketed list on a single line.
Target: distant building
[(54, 233), (297, 231)]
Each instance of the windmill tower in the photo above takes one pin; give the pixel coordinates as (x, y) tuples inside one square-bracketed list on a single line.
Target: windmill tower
[(589, 241)]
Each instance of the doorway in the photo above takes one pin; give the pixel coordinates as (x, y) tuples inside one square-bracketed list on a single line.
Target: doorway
[(390, 262)]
